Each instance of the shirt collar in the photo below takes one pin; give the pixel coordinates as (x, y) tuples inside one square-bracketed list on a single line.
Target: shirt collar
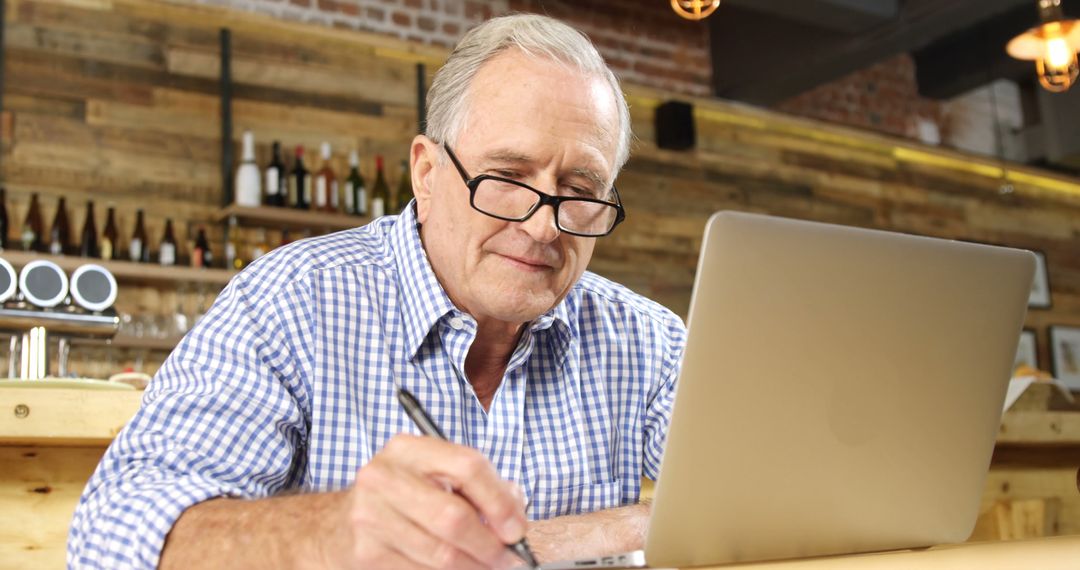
[(424, 301)]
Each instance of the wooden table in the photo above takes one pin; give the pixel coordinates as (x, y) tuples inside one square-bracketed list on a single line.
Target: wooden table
[(49, 449)]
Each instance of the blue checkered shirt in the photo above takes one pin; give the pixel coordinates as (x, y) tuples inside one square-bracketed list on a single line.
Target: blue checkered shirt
[(289, 383)]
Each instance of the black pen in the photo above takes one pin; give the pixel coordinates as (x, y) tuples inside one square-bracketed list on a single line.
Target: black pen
[(420, 417)]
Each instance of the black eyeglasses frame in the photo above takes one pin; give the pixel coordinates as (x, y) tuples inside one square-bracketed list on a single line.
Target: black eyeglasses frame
[(472, 183)]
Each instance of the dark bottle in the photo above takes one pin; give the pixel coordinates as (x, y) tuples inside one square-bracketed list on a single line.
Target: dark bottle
[(277, 179), (60, 234), (355, 192), (88, 246), (109, 237), (139, 248), (31, 237), (201, 256), (167, 251), (3, 219), (404, 189), (300, 182), (380, 193)]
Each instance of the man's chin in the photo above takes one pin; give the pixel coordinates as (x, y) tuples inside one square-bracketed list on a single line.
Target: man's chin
[(519, 309)]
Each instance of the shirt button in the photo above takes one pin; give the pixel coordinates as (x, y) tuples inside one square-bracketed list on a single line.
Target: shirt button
[(456, 323)]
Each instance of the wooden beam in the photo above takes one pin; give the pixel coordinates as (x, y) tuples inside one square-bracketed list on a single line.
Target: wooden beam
[(38, 416)]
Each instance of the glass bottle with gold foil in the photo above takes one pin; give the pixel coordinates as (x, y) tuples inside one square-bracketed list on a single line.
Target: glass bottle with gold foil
[(234, 257), (380, 193), (110, 246)]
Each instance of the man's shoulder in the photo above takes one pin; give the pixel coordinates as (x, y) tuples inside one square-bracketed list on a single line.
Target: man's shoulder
[(594, 293)]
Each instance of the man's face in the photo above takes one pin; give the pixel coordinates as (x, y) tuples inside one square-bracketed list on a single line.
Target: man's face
[(537, 122)]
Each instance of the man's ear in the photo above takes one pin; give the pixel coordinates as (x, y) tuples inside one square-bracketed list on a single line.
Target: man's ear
[(424, 157)]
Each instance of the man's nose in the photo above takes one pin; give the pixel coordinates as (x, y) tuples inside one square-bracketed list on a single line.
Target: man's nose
[(541, 225)]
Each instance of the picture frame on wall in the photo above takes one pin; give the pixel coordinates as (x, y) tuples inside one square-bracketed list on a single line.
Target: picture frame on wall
[(1027, 351), (1065, 355), (1040, 285)]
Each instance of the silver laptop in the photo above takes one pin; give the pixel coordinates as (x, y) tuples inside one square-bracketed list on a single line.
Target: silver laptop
[(840, 392)]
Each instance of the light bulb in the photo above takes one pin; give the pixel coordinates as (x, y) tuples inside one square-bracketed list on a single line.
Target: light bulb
[(1058, 53)]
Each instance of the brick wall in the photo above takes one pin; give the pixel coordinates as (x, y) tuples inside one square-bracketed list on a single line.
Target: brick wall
[(643, 40), (882, 97)]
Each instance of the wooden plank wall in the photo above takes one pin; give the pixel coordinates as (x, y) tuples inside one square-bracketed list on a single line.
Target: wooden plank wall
[(116, 100)]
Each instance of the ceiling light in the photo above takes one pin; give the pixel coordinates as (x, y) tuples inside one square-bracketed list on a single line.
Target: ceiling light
[(694, 9), (1052, 45)]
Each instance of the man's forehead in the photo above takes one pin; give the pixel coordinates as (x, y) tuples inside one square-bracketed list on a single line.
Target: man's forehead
[(515, 156)]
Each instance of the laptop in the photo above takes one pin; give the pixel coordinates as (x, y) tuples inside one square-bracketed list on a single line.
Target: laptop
[(840, 392)]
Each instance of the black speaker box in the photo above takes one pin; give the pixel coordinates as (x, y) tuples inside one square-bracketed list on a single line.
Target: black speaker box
[(675, 125)]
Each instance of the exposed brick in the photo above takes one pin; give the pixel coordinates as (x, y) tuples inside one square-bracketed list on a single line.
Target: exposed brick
[(477, 10), (301, 3), (426, 23), (349, 8), (414, 4), (451, 29), (377, 14), (401, 19)]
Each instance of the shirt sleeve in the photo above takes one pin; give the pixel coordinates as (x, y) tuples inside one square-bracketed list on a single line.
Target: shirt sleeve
[(662, 398), (223, 417)]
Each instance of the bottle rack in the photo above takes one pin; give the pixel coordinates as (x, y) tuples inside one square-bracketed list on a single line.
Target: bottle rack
[(290, 218)]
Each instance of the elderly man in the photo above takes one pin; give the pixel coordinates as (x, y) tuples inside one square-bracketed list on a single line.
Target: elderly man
[(271, 437)]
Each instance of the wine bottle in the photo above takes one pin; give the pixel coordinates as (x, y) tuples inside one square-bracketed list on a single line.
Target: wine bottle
[(201, 256), (88, 246), (31, 237), (109, 237), (167, 251), (380, 193), (277, 181), (3, 219), (139, 248), (286, 239), (233, 257), (247, 188), (300, 182), (404, 189), (261, 247), (355, 192), (325, 183), (60, 234)]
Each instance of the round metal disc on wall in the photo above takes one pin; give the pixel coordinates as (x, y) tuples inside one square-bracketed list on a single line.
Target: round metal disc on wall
[(93, 287), (8, 280), (43, 283)]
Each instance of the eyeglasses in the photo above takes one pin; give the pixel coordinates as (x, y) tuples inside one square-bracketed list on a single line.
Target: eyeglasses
[(514, 201)]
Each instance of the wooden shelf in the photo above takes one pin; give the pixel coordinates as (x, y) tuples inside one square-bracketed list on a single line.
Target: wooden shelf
[(127, 341), (290, 218), (127, 271), (35, 416)]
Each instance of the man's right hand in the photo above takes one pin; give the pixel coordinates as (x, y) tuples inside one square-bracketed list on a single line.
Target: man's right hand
[(424, 503), (399, 513)]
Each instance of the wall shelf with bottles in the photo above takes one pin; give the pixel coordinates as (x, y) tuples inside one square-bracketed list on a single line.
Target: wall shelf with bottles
[(130, 272), (290, 218)]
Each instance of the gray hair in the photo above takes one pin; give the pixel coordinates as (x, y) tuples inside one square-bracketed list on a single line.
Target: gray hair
[(535, 36)]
